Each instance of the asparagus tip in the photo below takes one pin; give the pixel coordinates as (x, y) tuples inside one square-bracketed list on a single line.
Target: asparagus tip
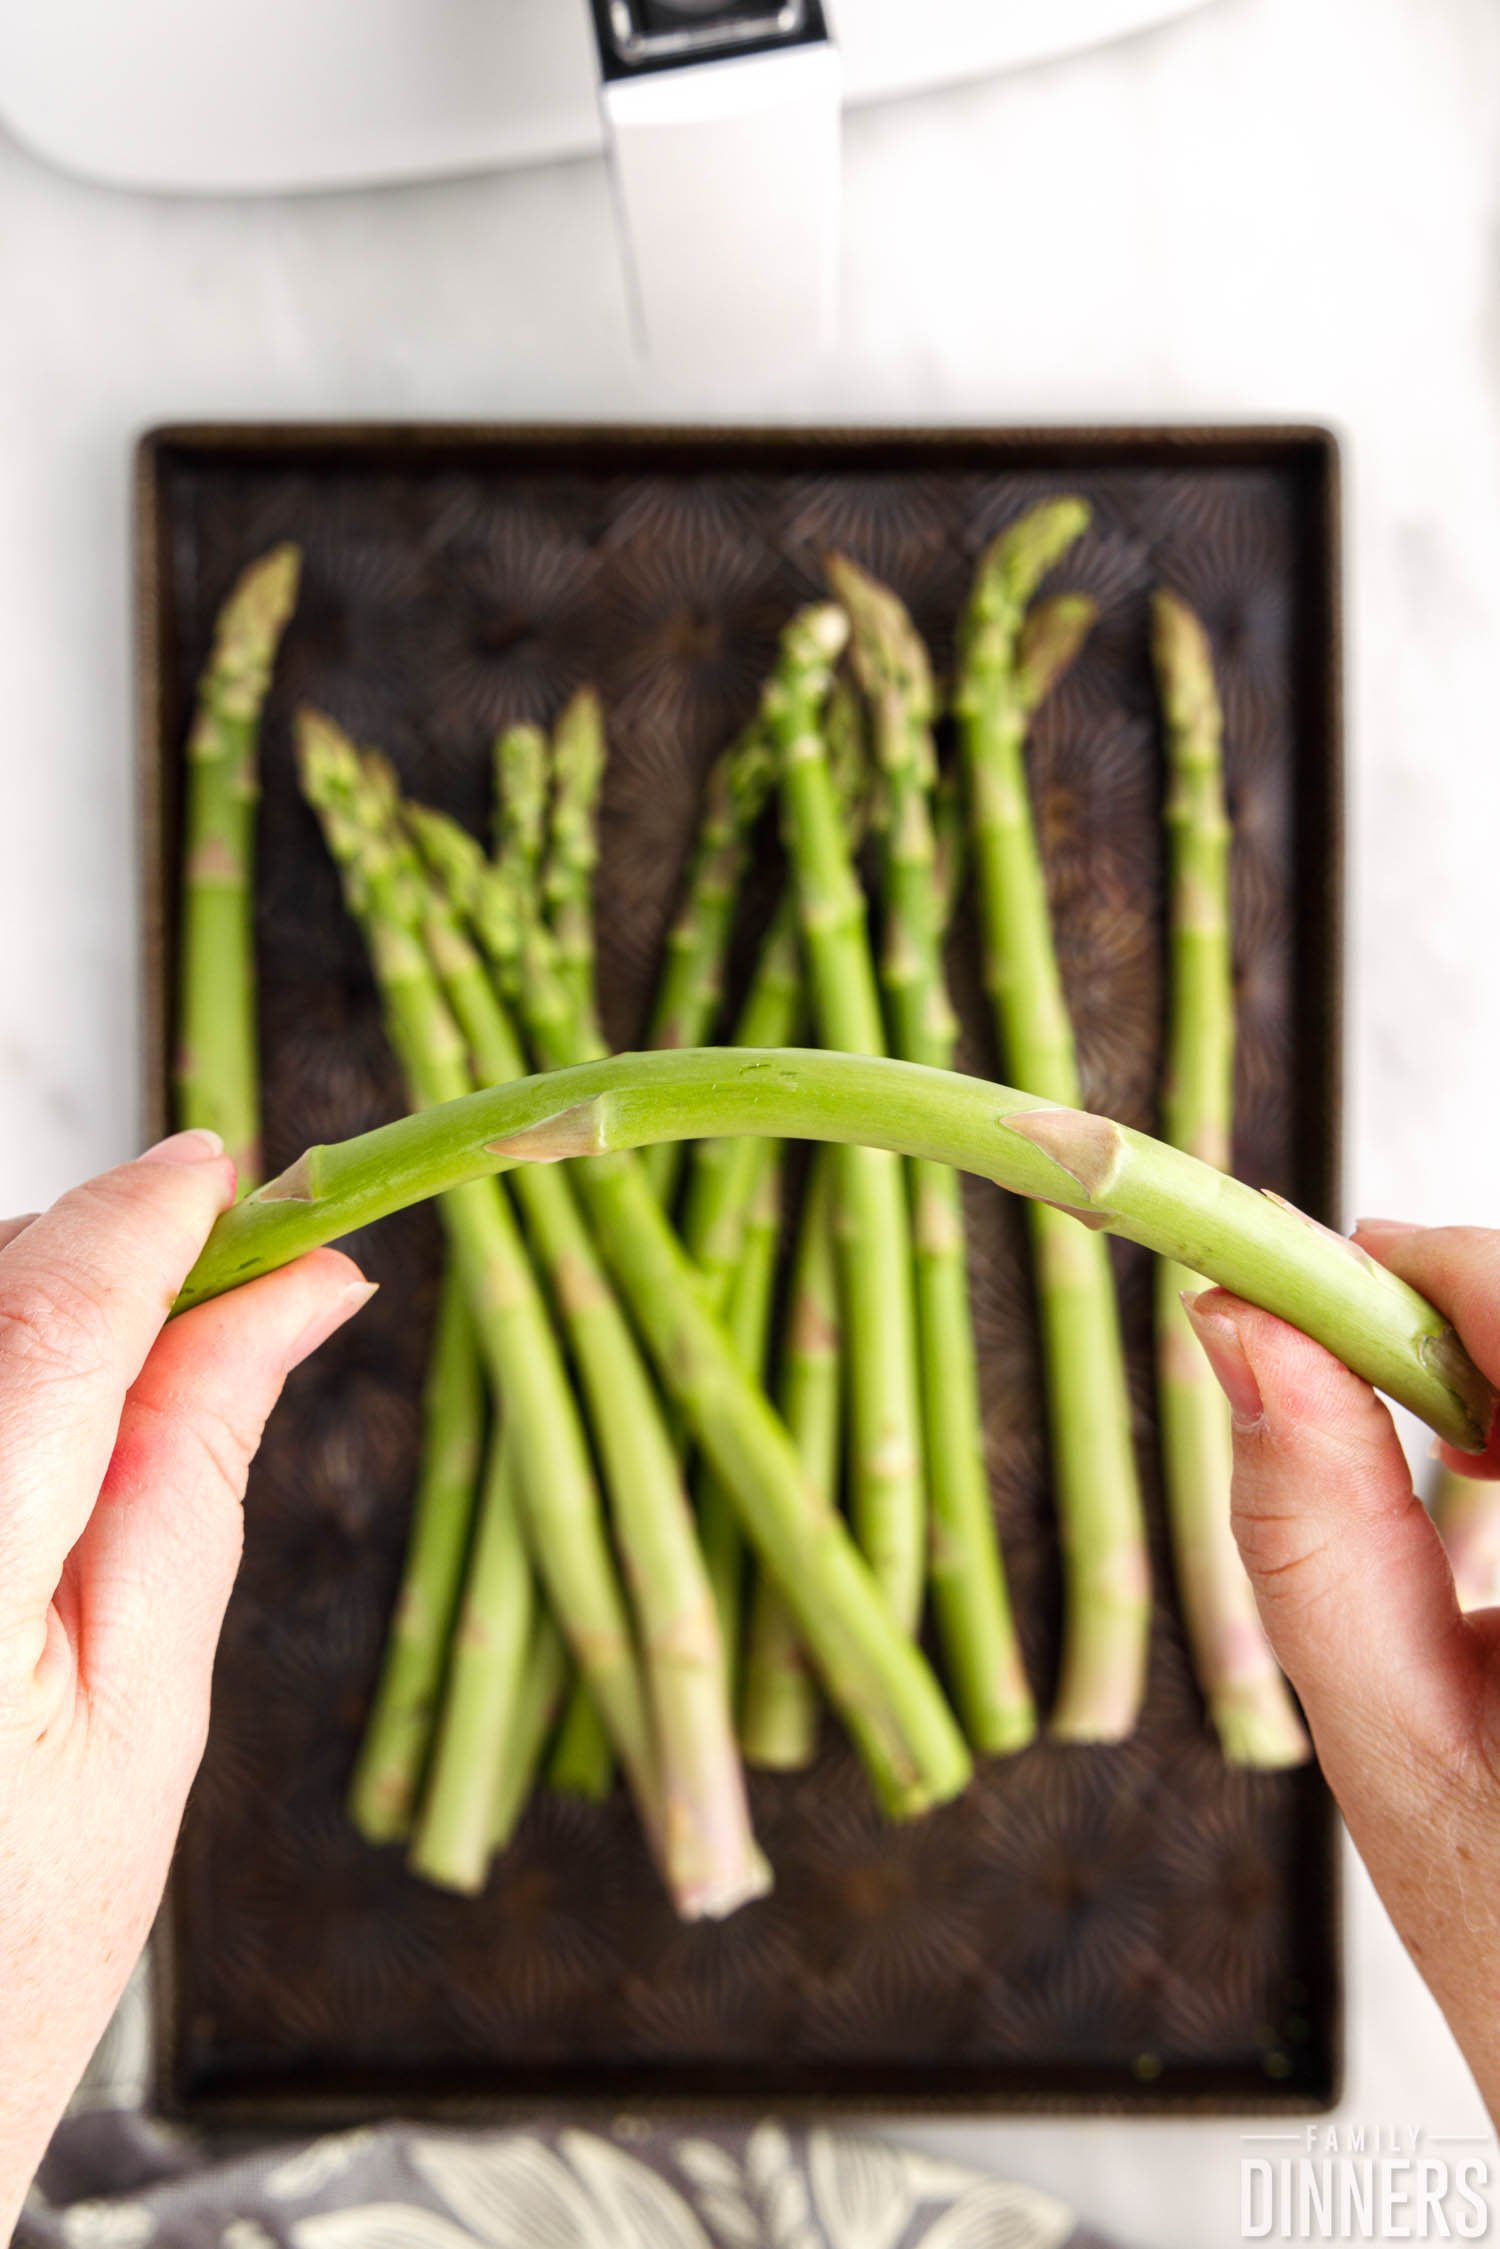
[(260, 602), (1015, 563), (1049, 640), (1184, 667)]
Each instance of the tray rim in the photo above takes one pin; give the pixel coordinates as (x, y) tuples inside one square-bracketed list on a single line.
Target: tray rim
[(1309, 445)]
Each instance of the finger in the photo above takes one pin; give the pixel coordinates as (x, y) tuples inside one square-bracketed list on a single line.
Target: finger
[(1350, 1576), (84, 1290), (11, 1227), (1457, 1268), (150, 1576)]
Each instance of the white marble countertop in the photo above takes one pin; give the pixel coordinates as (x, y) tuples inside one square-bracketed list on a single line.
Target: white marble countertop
[(1274, 209)]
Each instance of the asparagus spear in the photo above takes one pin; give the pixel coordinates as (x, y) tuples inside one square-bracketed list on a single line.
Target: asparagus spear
[(582, 1762), (873, 1231), (880, 1681), (1118, 1180), (394, 1747), (723, 1178), (1107, 1575), (217, 1070), (1248, 1700), (692, 983), (725, 1173), (573, 851), (564, 1519), (779, 1722), (712, 1862), (452, 1841), (748, 1323), (544, 1680), (970, 1594)]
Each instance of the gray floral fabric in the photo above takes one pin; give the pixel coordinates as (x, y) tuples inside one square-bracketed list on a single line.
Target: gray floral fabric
[(115, 2178)]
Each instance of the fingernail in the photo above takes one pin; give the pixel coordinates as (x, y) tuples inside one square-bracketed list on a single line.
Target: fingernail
[(1225, 1353), (323, 1324), (1384, 1228), (199, 1146)]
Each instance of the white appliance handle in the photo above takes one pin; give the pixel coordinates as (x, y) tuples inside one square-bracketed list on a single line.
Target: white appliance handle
[(727, 179)]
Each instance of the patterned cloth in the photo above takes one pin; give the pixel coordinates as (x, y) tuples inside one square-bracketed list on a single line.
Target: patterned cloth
[(115, 2178)]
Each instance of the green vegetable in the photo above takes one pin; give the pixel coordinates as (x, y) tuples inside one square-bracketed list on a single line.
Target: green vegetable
[(1248, 1700), (1107, 1588), (217, 1068)]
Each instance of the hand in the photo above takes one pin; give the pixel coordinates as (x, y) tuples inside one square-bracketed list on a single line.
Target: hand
[(1401, 1691), (124, 1445)]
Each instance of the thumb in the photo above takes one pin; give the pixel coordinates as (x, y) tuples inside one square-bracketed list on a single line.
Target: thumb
[(151, 1575), (1350, 1577)]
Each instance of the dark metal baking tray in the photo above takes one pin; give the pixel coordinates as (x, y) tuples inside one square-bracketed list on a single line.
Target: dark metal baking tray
[(1134, 1928)]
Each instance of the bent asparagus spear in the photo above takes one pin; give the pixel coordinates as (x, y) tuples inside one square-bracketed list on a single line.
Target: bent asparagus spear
[(1106, 1175), (1248, 1700)]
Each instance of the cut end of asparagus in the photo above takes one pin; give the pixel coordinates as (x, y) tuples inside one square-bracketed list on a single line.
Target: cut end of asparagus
[(1050, 639), (714, 1899), (1258, 1727), (1184, 671), (1444, 1355)]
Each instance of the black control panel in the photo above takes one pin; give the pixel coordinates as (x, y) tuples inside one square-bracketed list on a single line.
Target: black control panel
[(642, 35)]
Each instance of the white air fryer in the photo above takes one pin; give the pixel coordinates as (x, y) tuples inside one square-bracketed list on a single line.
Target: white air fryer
[(721, 116)]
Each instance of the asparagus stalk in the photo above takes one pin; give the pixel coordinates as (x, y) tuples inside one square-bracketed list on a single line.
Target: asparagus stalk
[(452, 1842), (573, 851), (582, 1762), (564, 1519), (217, 1069), (711, 1859), (1107, 1575), (970, 1594), (1466, 1510), (779, 1721), (725, 1173), (880, 1681), (874, 1234), (748, 1322), (393, 1750), (1115, 1179), (544, 1680), (692, 983), (1248, 1700)]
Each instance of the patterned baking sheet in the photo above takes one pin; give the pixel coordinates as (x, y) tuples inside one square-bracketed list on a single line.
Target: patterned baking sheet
[(1135, 1925)]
